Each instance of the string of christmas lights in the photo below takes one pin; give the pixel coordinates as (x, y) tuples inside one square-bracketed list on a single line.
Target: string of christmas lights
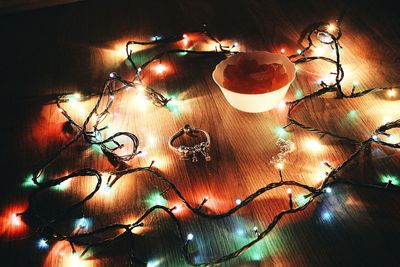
[(92, 133)]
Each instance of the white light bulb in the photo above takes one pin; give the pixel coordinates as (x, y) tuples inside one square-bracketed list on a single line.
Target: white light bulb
[(42, 243), (152, 140), (280, 165), (190, 236), (160, 68), (328, 190), (77, 96), (314, 145), (391, 93), (238, 201), (15, 219), (282, 105)]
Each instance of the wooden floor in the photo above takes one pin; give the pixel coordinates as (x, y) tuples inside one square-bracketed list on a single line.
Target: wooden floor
[(72, 48)]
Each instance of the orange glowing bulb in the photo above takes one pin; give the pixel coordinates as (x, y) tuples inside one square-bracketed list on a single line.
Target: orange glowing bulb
[(283, 50), (185, 39), (391, 93), (160, 69), (331, 27), (15, 219)]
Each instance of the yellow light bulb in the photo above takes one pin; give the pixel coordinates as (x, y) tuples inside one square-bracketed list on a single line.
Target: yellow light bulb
[(331, 27), (391, 93), (76, 261), (77, 96), (313, 145), (280, 166)]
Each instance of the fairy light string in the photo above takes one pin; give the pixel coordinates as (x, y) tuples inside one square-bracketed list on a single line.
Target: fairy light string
[(93, 135)]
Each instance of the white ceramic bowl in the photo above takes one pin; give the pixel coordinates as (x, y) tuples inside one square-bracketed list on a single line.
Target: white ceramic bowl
[(255, 102)]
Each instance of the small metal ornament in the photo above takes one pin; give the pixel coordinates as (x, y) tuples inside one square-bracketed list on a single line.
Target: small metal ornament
[(188, 152)]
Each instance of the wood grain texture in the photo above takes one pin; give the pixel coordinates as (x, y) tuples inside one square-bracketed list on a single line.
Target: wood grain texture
[(73, 48)]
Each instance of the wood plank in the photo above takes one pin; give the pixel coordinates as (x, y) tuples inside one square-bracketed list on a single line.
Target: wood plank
[(73, 48)]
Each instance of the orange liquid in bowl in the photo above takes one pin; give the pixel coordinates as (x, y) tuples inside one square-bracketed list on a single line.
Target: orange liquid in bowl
[(247, 76)]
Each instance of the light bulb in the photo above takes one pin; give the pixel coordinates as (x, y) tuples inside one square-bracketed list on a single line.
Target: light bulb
[(185, 39), (106, 189), (280, 165), (153, 263), (82, 223), (238, 201), (326, 216), (15, 219), (160, 68), (176, 208), (190, 236), (313, 145), (282, 105), (42, 244), (152, 140), (328, 190), (77, 96), (391, 93), (140, 88), (76, 261), (283, 50)]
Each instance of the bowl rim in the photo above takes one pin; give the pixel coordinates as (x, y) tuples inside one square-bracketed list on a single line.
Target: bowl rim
[(255, 52)]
